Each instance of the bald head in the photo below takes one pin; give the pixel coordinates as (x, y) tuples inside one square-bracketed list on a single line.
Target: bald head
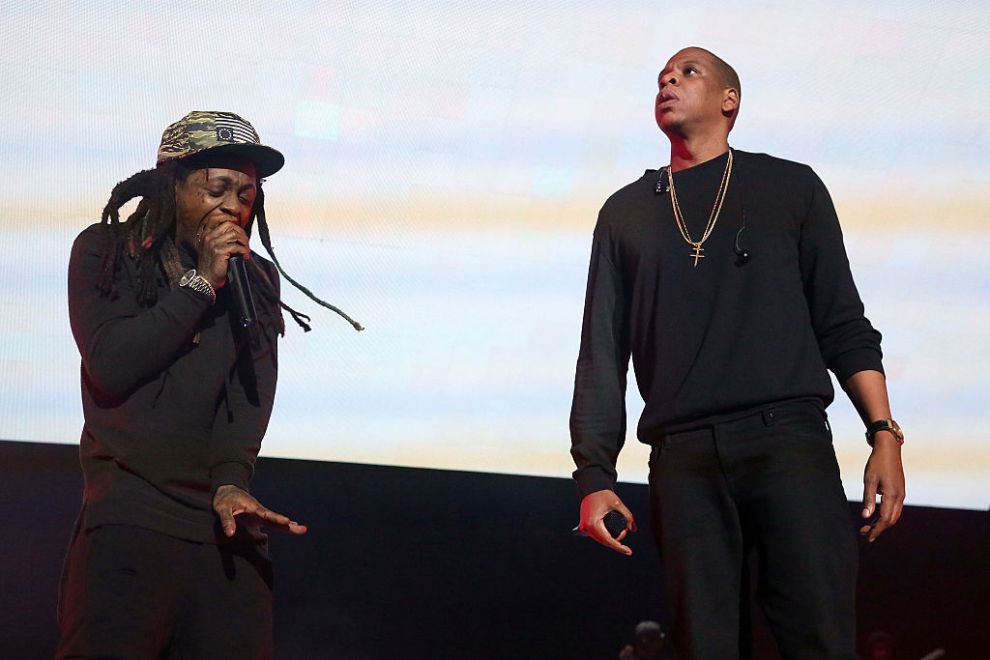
[(697, 90), (726, 74)]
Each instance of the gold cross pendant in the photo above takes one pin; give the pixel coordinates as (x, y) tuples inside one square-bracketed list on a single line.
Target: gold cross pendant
[(697, 254)]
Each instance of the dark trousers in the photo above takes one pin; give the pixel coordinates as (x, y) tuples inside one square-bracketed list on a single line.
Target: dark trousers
[(132, 593), (766, 482)]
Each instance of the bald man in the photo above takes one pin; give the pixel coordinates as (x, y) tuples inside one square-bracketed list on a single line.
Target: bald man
[(724, 277)]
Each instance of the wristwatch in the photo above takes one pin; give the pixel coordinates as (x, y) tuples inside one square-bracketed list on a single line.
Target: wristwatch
[(884, 425), (199, 284)]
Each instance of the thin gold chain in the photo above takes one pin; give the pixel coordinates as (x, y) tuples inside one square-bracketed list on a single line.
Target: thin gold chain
[(713, 216)]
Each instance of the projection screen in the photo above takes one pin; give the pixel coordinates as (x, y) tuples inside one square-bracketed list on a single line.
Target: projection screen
[(445, 165)]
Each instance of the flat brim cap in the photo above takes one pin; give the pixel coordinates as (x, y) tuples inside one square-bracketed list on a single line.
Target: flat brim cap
[(211, 131)]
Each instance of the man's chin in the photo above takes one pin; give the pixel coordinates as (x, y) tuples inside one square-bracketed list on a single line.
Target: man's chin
[(666, 125)]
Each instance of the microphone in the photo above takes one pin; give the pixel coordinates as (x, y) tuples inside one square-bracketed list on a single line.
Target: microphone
[(240, 289), (663, 182), (615, 522), (742, 254)]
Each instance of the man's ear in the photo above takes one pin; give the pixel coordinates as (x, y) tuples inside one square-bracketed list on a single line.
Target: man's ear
[(730, 101)]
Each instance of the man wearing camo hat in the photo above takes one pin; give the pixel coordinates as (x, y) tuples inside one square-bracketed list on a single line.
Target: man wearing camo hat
[(167, 556)]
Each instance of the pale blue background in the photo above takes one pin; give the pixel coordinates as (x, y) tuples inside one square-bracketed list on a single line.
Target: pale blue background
[(445, 164)]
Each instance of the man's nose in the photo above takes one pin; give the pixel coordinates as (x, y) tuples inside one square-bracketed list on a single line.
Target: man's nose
[(229, 205), (669, 79)]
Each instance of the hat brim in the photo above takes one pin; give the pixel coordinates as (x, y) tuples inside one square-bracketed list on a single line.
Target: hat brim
[(267, 161)]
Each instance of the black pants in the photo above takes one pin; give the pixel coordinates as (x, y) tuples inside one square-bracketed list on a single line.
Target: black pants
[(132, 593), (766, 482)]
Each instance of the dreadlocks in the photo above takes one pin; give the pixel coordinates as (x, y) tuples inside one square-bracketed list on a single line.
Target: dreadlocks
[(147, 236), (258, 213)]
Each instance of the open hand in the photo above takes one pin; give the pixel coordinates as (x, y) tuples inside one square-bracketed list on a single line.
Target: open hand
[(234, 506)]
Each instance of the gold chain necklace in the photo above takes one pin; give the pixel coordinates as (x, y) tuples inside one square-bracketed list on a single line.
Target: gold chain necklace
[(712, 218)]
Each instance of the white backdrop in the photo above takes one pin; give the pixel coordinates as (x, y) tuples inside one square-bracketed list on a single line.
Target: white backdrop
[(445, 165)]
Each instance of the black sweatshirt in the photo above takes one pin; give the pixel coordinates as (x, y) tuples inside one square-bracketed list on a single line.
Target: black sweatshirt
[(167, 420), (723, 337)]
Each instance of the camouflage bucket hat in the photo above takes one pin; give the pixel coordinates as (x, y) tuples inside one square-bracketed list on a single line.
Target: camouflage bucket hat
[(203, 130)]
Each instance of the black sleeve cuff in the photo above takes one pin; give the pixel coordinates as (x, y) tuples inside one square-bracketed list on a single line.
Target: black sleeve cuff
[(233, 473), (856, 360), (593, 478)]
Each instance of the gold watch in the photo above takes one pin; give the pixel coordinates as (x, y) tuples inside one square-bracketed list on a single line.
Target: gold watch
[(884, 425)]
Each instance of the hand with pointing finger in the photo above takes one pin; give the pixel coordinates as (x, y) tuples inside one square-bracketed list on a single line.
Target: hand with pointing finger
[(235, 506)]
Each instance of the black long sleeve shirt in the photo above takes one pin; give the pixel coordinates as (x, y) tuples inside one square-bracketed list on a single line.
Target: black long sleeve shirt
[(167, 419), (723, 336)]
